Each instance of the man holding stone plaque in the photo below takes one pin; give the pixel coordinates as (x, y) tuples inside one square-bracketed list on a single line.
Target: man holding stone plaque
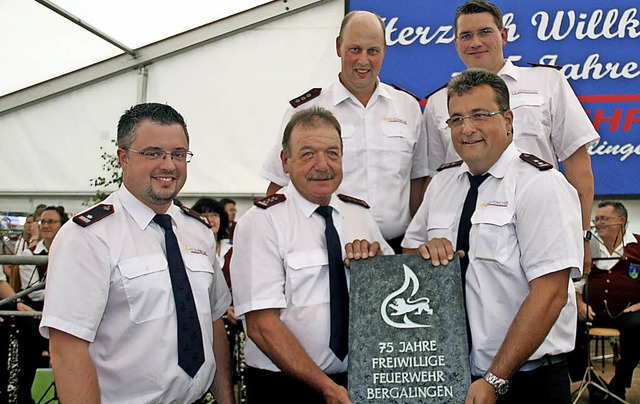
[(290, 285), (516, 223)]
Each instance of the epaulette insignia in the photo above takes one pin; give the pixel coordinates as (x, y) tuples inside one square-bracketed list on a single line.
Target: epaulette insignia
[(269, 201), (351, 199), (195, 215), (397, 87), (537, 162), (306, 97), (449, 165), (557, 67), (93, 215), (426, 97)]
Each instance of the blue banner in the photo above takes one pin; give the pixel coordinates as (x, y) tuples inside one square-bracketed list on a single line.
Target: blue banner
[(597, 43)]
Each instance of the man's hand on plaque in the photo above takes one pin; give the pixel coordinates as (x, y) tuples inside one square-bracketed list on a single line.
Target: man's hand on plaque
[(438, 250), (361, 250)]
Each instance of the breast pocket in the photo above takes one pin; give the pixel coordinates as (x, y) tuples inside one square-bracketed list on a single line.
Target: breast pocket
[(201, 277), (440, 225), (398, 148), (491, 234), (352, 151), (308, 272), (532, 115), (147, 286)]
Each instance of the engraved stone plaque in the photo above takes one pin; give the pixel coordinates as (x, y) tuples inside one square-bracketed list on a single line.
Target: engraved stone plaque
[(407, 332)]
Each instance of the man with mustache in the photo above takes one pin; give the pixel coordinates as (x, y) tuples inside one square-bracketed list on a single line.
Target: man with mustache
[(549, 120), (134, 294), (385, 151), (286, 271)]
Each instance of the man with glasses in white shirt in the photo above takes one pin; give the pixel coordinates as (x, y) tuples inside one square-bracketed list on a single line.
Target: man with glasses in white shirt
[(134, 292)]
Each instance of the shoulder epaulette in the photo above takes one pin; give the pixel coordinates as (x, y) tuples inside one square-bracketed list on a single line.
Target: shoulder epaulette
[(426, 97), (351, 199), (306, 97), (557, 67), (397, 87), (449, 165), (93, 215), (269, 201), (190, 212), (537, 162)]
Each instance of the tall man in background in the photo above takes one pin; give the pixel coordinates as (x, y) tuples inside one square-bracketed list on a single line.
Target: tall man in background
[(385, 151), (549, 120)]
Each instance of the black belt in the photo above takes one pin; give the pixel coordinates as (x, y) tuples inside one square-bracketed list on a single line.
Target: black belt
[(544, 361)]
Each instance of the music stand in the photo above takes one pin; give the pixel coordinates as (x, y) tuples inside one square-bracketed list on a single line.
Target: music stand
[(590, 374)]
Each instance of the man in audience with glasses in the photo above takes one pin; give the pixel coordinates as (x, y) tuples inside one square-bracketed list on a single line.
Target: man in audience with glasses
[(135, 295), (518, 234), (549, 120), (613, 290)]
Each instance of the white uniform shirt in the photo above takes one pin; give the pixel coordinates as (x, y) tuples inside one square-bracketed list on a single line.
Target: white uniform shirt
[(384, 148), (280, 261), (29, 275), (548, 122), (108, 283), (526, 225)]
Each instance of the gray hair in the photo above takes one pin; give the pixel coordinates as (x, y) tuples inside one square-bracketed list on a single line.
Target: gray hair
[(309, 118)]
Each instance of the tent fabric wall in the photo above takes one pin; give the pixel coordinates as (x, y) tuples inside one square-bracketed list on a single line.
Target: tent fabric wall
[(232, 94)]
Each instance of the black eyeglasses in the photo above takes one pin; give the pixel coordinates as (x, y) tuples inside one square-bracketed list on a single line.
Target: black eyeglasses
[(47, 221), (455, 122), (157, 154)]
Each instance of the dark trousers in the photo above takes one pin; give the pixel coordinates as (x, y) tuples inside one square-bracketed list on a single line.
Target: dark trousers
[(268, 387), (547, 384)]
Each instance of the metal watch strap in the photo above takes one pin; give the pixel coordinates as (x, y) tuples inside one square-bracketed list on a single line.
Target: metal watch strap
[(500, 386)]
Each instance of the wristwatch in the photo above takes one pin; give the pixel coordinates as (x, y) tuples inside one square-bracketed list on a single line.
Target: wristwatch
[(501, 386), (586, 234)]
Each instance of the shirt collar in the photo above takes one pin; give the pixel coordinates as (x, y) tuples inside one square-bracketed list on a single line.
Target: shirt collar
[(509, 70), (307, 207), (341, 93), (141, 213), (500, 167), (40, 247)]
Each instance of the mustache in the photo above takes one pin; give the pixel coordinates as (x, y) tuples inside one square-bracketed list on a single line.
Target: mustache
[(320, 175)]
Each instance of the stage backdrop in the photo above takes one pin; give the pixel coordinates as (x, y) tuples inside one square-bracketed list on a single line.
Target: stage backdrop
[(597, 43)]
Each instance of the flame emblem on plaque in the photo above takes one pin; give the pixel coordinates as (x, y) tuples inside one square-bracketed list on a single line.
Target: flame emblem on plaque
[(397, 307)]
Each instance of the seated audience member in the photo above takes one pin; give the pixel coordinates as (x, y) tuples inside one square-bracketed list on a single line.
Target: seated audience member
[(52, 219), (230, 208), (613, 289), (217, 217)]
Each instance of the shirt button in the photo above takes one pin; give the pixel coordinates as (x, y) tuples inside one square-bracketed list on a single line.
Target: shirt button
[(608, 281)]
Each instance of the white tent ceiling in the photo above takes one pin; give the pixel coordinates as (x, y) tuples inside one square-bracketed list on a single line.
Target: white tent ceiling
[(232, 92), (43, 39)]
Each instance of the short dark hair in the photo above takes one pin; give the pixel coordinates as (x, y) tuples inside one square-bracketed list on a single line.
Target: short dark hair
[(309, 118), (158, 113), (208, 205), (225, 201), (470, 79), (64, 217), (351, 14), (477, 7), (618, 208)]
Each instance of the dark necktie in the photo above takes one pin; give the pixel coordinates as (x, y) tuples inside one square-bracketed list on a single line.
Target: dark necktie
[(338, 287), (190, 350), (464, 227)]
